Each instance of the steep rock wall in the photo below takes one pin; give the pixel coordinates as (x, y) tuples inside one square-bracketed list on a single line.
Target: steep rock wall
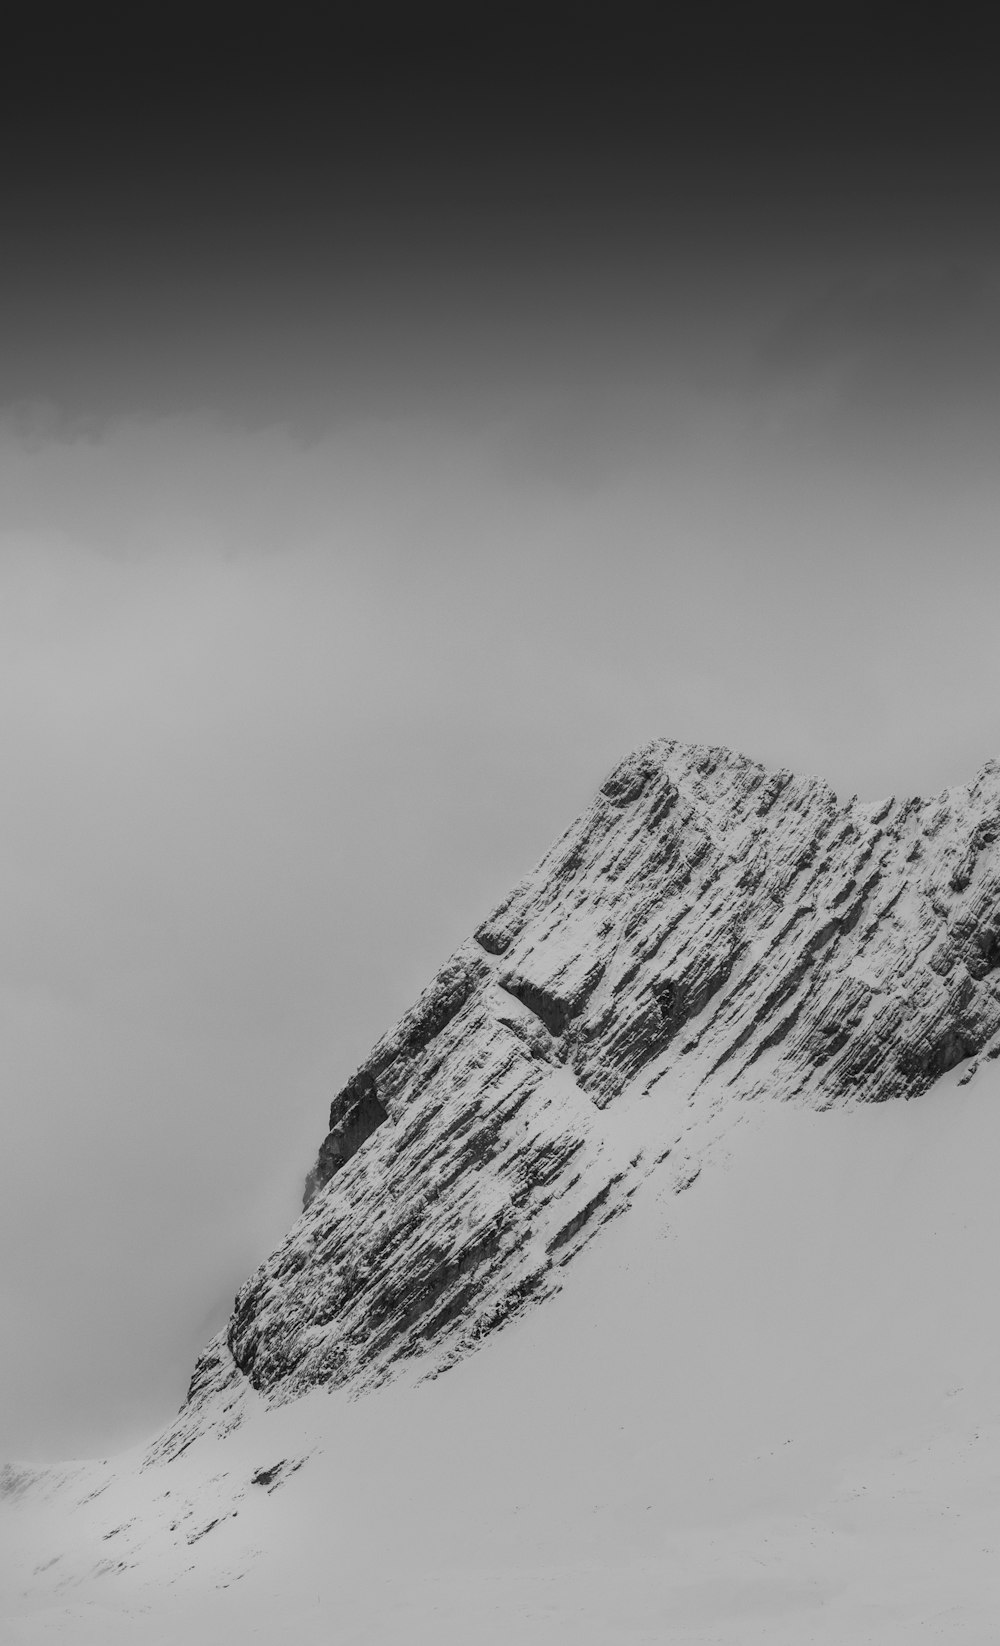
[(707, 931)]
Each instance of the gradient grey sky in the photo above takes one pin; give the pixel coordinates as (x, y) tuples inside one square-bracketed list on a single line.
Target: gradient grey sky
[(392, 436)]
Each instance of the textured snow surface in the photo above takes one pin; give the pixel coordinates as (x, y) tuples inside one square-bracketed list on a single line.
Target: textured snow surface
[(764, 1409)]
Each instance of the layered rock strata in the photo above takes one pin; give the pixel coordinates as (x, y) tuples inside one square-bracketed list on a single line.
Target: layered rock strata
[(707, 931)]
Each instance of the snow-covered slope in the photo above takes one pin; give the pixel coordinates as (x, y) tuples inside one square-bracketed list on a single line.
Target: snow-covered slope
[(762, 1405), (763, 1410)]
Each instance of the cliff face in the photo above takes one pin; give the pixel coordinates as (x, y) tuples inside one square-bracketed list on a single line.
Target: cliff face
[(705, 933)]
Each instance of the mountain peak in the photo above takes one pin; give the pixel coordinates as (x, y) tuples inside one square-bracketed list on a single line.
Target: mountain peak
[(706, 932)]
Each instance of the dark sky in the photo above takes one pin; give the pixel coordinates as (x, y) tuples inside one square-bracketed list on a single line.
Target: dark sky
[(273, 215), (399, 420)]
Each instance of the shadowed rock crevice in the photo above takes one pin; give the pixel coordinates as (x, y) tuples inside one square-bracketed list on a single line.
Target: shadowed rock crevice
[(926, 1061), (437, 1010), (547, 1007), (355, 1113)]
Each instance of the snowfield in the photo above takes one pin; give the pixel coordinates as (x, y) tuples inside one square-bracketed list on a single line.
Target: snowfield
[(764, 1406)]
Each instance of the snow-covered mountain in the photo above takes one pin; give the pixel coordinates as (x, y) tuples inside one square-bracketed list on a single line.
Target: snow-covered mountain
[(705, 985), (704, 922)]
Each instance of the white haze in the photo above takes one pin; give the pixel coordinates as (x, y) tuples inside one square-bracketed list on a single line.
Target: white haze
[(280, 720)]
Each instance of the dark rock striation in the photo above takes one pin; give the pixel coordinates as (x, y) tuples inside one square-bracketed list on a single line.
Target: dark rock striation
[(707, 931)]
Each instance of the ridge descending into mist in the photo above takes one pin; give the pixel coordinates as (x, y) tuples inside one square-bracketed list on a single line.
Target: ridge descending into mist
[(706, 932)]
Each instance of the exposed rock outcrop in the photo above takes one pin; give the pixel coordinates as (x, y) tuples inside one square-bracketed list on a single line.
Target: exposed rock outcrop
[(706, 927)]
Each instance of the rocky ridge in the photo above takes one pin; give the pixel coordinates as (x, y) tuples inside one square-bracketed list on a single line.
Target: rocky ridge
[(707, 932)]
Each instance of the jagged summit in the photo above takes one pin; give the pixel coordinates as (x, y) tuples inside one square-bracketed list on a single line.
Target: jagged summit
[(707, 931)]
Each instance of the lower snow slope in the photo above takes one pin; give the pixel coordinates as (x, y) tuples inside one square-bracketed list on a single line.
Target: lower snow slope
[(765, 1408)]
